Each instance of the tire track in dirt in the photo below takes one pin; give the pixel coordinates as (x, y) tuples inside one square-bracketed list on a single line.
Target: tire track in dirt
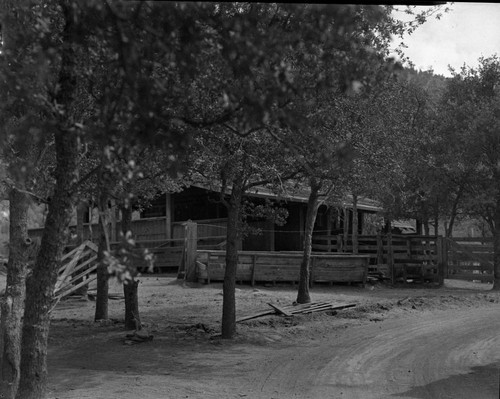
[(445, 354)]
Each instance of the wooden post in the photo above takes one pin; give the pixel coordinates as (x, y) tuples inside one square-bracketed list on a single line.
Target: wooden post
[(361, 223), (380, 249), (190, 248), (442, 246), (329, 229), (168, 216), (346, 229), (270, 227), (439, 259), (390, 256), (354, 230), (340, 245)]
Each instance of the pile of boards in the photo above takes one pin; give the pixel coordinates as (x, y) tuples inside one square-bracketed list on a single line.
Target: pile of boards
[(291, 310)]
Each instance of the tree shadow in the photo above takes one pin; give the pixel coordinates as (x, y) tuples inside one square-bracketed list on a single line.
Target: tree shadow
[(482, 382)]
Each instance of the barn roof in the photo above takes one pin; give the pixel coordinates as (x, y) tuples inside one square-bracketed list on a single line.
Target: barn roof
[(299, 194)]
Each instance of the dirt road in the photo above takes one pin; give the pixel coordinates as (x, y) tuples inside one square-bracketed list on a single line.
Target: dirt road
[(454, 354), (440, 354)]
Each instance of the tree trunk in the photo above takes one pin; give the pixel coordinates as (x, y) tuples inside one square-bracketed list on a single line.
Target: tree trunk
[(312, 210), (229, 286), (13, 300), (132, 318), (418, 228), (101, 303), (436, 218), (427, 230), (355, 224), (454, 210), (130, 288), (40, 285)]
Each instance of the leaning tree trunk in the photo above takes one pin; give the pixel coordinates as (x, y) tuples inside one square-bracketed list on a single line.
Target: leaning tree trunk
[(303, 295), (40, 285), (132, 317), (229, 286), (13, 300)]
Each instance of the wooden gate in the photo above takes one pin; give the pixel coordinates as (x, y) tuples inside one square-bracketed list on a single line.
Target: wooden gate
[(469, 259)]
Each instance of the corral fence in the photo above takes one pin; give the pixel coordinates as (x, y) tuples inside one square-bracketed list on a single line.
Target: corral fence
[(409, 257), (469, 259), (396, 257), (169, 253)]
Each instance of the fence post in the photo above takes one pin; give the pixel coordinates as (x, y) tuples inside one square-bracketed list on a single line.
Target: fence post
[(390, 256), (380, 249), (440, 259), (190, 248), (444, 256)]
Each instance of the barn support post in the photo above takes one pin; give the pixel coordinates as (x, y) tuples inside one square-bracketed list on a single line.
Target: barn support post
[(190, 248), (340, 244), (329, 229), (168, 216), (346, 229)]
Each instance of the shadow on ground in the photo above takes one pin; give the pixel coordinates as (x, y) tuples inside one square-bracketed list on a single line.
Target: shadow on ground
[(481, 383)]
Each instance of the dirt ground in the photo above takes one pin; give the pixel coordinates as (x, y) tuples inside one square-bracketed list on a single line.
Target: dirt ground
[(274, 356), (187, 359)]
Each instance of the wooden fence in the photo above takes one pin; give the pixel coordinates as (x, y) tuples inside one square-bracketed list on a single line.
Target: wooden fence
[(399, 257), (263, 266), (469, 259)]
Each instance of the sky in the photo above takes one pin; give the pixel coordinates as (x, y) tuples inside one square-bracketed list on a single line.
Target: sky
[(462, 35)]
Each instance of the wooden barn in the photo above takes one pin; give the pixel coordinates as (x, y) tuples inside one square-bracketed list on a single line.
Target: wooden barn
[(166, 229), (165, 217)]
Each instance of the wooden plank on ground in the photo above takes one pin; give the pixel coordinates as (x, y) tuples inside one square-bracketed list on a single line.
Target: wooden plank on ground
[(254, 316), (280, 310), (329, 307)]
